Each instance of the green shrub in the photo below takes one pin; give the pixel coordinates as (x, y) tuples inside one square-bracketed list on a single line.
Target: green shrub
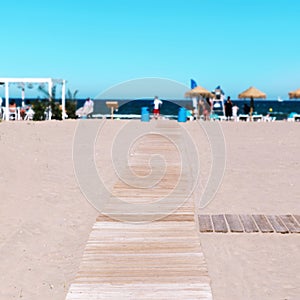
[(71, 106), (39, 107), (56, 110)]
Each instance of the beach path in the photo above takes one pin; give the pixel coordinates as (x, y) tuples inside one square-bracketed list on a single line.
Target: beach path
[(150, 254)]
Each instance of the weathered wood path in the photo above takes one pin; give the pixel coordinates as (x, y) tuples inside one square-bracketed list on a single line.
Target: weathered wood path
[(160, 258), (249, 223)]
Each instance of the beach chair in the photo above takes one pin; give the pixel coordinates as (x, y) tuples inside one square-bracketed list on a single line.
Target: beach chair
[(29, 114), (13, 112), (293, 117), (268, 118), (257, 118), (85, 111), (297, 118), (243, 117)]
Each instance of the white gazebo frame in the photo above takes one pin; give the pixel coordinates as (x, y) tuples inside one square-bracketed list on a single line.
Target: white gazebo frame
[(50, 81)]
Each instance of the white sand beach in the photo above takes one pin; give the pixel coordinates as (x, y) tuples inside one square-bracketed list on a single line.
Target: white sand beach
[(45, 219)]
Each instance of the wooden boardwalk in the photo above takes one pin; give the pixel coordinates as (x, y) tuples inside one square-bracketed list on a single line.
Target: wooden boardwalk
[(249, 223), (160, 259)]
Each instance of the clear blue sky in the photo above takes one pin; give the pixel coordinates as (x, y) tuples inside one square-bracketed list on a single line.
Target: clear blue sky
[(95, 44)]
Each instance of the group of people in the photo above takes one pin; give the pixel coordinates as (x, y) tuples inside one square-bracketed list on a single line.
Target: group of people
[(231, 110), (205, 107), (17, 113)]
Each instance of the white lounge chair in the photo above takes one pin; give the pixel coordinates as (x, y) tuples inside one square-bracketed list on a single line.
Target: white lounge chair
[(29, 114), (85, 111), (293, 117), (243, 117), (14, 113), (257, 118)]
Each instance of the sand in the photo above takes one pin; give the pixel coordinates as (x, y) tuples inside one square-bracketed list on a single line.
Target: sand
[(45, 220)]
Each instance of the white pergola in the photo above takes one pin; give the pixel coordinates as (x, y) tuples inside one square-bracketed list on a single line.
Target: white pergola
[(49, 81)]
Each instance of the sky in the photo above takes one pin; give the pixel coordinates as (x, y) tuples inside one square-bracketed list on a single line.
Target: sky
[(96, 44)]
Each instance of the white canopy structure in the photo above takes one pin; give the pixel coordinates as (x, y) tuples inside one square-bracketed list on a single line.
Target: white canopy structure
[(49, 81)]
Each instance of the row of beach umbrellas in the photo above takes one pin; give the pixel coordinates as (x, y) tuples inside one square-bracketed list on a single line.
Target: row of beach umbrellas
[(251, 92)]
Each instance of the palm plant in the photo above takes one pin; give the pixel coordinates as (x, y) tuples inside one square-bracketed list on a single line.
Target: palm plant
[(71, 104), (50, 104)]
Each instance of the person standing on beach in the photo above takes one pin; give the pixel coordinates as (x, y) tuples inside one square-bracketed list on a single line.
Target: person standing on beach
[(1, 101), (207, 109), (157, 102), (228, 109), (235, 109), (195, 108), (251, 107), (246, 109)]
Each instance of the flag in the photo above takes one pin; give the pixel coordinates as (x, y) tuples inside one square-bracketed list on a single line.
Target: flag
[(193, 84)]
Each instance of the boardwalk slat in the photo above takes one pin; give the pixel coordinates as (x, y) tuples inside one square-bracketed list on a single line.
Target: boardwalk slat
[(262, 223), (248, 223), (205, 224), (133, 291), (277, 224), (234, 223), (219, 223), (290, 223), (297, 217)]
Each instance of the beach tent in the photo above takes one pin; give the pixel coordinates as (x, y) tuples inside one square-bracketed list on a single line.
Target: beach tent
[(22, 81), (294, 94), (252, 92), (199, 91)]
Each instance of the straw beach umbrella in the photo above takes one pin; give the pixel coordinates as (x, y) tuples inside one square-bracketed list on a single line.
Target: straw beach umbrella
[(198, 91), (294, 94), (252, 92)]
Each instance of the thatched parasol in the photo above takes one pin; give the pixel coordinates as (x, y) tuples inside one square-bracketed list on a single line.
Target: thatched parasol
[(198, 91), (252, 92), (294, 94)]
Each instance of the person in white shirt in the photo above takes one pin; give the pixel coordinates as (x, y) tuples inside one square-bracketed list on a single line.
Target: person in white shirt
[(156, 104), (235, 109), (87, 108)]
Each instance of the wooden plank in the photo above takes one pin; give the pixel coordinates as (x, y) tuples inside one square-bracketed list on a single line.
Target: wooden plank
[(277, 224), (219, 223), (234, 223), (134, 291), (297, 217), (248, 223), (262, 223), (173, 217), (205, 224), (290, 223)]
